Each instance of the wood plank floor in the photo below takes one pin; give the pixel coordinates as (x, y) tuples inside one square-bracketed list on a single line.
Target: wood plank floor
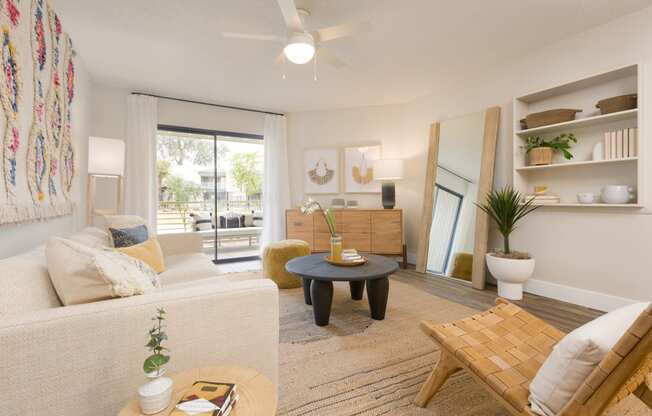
[(565, 316)]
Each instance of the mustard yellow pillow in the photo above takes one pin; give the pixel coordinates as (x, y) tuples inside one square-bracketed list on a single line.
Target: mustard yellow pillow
[(148, 252)]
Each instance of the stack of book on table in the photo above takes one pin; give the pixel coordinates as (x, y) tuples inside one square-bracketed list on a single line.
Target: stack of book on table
[(542, 199), (206, 398), (351, 255)]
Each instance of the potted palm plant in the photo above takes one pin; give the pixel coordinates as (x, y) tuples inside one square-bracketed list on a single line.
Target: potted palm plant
[(540, 150), (510, 268)]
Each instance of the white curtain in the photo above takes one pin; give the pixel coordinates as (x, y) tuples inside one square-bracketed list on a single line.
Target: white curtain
[(276, 180), (140, 170)]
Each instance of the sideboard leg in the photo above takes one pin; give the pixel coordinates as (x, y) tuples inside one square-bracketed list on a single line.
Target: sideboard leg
[(404, 264)]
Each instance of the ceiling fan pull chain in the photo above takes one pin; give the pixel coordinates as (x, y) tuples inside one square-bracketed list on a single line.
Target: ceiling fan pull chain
[(314, 67), (283, 66)]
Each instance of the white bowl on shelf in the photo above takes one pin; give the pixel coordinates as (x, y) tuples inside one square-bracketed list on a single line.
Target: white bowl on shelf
[(587, 198), (617, 194)]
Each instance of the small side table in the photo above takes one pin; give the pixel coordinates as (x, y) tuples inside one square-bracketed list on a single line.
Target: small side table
[(257, 393)]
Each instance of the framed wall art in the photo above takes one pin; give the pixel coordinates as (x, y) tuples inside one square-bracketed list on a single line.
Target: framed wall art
[(321, 171), (359, 169)]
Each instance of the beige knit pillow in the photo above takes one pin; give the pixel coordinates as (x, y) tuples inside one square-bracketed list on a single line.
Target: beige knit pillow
[(82, 274)]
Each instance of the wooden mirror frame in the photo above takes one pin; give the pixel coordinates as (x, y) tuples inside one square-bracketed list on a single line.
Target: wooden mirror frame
[(485, 184)]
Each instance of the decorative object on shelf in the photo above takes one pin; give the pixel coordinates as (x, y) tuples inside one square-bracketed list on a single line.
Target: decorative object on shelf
[(542, 199), (618, 194), (620, 144), (540, 150), (587, 198), (311, 206), (387, 171), (359, 170), (540, 190), (510, 268), (321, 171), (598, 151), (352, 204), (106, 159), (155, 395), (338, 203), (616, 104), (546, 118)]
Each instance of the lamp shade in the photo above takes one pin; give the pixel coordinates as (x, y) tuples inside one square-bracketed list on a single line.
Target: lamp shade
[(106, 156), (388, 169)]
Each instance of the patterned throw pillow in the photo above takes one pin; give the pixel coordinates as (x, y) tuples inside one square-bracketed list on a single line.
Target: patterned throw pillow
[(127, 237), (82, 274)]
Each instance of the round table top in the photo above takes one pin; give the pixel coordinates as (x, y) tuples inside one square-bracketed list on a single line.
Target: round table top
[(316, 268), (257, 393)]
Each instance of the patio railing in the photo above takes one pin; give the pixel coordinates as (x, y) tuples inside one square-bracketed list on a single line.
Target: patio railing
[(174, 216)]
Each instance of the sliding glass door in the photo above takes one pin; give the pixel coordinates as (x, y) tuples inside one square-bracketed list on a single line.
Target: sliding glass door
[(210, 183)]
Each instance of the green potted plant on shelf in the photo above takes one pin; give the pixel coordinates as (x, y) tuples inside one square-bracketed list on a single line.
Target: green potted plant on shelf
[(155, 395), (540, 150), (510, 268), (311, 206)]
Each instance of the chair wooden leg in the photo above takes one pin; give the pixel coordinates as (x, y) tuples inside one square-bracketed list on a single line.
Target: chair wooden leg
[(445, 368), (645, 394)]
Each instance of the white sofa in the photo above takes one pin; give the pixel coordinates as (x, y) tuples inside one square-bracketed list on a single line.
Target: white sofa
[(87, 359)]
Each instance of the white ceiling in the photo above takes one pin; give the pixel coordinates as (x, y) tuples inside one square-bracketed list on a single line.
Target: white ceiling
[(175, 47)]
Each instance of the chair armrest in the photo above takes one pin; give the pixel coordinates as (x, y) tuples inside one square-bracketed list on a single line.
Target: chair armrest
[(87, 359), (180, 243)]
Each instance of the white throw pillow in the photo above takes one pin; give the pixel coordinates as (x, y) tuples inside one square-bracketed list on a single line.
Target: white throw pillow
[(82, 274), (573, 359)]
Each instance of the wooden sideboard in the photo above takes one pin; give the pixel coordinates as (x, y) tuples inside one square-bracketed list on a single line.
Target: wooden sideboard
[(376, 231)]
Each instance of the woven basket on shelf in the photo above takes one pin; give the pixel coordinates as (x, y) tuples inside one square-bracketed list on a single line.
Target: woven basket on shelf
[(546, 118), (540, 156)]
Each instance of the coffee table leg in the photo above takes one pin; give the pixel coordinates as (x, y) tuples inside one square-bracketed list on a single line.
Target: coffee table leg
[(322, 296), (305, 283), (377, 292), (357, 289)]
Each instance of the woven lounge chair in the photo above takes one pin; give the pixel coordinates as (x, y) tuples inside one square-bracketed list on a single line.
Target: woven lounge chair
[(504, 347)]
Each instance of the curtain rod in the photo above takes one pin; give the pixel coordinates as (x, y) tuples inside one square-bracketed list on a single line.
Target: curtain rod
[(230, 107)]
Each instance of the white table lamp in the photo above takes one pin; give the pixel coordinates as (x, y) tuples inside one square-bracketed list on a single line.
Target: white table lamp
[(106, 159), (387, 171)]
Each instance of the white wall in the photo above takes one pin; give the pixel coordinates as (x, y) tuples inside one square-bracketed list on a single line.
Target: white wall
[(603, 252), (21, 237)]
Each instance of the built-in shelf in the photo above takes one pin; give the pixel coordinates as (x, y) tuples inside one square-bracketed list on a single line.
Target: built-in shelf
[(581, 122), (577, 204), (567, 178), (577, 164)]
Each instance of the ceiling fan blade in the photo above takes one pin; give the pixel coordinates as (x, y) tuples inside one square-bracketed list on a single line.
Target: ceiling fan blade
[(252, 36), (291, 15), (341, 31), (326, 56)]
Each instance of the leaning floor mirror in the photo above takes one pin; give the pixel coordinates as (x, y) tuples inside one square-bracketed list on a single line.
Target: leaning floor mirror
[(460, 172)]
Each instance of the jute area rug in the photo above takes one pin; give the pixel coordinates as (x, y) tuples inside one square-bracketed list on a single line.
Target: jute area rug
[(358, 366)]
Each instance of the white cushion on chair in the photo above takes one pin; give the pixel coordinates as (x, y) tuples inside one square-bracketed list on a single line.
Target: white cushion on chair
[(575, 357)]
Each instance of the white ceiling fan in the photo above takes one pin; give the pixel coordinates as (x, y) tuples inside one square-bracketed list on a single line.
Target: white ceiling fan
[(301, 44)]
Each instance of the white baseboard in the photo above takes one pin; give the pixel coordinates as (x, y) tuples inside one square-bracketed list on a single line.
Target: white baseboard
[(583, 297)]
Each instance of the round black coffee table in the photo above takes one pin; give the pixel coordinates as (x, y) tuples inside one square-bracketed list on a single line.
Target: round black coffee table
[(317, 277)]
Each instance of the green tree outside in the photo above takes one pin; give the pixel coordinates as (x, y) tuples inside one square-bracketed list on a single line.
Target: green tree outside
[(181, 192), (247, 176)]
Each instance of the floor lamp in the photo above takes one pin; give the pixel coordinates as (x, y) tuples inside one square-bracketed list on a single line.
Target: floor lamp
[(106, 159)]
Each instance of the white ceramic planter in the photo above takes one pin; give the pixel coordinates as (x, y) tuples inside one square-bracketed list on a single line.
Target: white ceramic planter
[(155, 395), (511, 274)]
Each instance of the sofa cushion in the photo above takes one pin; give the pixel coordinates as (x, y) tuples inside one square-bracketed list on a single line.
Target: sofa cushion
[(127, 237), (132, 223), (82, 274), (575, 356), (149, 252), (25, 284), (92, 237), (187, 267)]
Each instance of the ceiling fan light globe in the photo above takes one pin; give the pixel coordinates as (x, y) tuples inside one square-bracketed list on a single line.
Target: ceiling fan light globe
[(300, 49)]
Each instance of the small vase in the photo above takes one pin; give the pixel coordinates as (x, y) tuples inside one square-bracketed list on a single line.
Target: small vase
[(155, 395), (336, 248)]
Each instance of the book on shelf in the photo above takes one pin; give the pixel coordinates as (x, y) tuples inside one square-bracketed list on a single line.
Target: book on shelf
[(620, 144), (207, 398), (543, 199)]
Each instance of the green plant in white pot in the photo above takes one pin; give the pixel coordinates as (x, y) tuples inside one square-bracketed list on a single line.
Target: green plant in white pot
[(510, 268), (156, 394)]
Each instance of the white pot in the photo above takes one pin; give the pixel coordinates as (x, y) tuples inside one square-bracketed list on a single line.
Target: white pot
[(155, 395), (511, 274), (617, 194)]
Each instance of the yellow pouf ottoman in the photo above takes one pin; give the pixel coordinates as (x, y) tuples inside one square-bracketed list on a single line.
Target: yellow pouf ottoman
[(276, 255)]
